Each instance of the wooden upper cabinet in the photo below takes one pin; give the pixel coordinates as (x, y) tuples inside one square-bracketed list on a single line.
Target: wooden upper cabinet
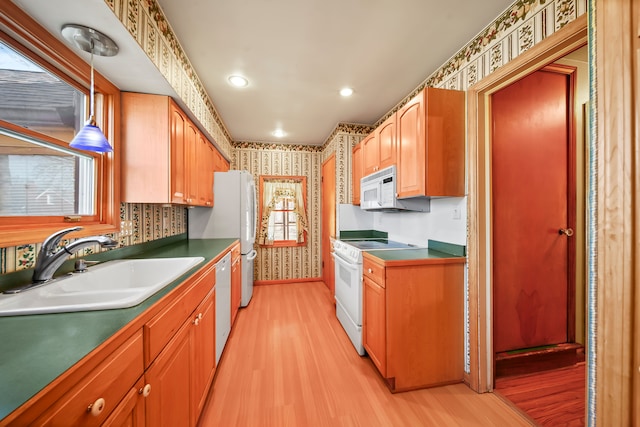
[(430, 144), (161, 155), (370, 154), (177, 159), (386, 139), (220, 163), (356, 173), (206, 169), (191, 166)]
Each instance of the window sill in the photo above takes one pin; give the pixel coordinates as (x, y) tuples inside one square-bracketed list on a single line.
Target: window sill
[(23, 236)]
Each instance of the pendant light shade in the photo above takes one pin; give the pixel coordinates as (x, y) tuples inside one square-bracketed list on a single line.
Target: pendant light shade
[(90, 137)]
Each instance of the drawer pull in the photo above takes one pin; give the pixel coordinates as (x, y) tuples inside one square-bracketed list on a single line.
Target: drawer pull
[(145, 391), (96, 407), (370, 270), (197, 320)]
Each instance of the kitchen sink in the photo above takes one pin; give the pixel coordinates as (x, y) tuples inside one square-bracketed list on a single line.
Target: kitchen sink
[(113, 284)]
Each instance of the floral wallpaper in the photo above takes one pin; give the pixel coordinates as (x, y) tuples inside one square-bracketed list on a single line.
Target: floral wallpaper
[(148, 222), (518, 29), (147, 24)]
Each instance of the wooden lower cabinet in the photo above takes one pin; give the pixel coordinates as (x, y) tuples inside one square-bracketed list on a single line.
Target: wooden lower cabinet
[(157, 371), (236, 282), (413, 321), (374, 324), (90, 401), (203, 355), (182, 374), (131, 410), (169, 403)]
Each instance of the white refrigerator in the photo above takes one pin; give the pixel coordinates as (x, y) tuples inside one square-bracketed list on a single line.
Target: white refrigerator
[(233, 216)]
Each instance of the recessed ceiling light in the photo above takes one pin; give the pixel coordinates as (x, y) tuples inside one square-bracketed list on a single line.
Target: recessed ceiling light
[(238, 81), (346, 91), (278, 133)]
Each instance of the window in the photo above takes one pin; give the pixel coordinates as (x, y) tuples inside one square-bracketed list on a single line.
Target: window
[(283, 217), (37, 175), (44, 184)]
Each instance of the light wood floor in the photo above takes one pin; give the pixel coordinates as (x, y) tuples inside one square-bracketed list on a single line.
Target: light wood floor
[(552, 398), (289, 363)]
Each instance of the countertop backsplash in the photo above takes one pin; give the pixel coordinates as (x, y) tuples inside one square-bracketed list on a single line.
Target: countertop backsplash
[(447, 222)]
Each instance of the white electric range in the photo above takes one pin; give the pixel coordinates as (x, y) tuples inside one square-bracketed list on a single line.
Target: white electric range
[(348, 281)]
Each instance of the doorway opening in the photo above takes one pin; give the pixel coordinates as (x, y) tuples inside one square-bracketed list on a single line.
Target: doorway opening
[(538, 181), (570, 38)]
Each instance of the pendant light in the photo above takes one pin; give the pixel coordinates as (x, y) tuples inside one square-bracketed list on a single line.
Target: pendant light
[(90, 137)]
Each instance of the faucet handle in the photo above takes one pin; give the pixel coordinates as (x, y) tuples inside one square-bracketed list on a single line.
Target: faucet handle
[(52, 241)]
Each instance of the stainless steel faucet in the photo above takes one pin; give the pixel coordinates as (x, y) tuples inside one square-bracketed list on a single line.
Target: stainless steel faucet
[(49, 259)]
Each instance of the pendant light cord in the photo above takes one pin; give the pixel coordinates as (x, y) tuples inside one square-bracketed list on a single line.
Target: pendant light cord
[(91, 95)]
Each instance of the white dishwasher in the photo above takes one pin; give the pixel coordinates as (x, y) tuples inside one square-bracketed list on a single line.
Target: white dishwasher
[(223, 303)]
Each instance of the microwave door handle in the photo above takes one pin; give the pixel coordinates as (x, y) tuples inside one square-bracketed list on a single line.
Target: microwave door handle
[(379, 193)]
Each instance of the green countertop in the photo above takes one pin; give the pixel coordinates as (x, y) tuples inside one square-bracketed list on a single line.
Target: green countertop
[(411, 254), (36, 349)]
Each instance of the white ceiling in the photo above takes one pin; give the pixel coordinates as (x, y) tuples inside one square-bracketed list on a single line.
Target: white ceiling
[(297, 54)]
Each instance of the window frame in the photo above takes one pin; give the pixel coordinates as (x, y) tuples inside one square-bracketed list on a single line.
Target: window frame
[(282, 243), (22, 33)]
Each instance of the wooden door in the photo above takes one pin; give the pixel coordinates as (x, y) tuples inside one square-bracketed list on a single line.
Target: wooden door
[(328, 219), (533, 198)]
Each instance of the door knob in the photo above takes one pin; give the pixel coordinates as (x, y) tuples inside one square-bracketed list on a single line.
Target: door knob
[(566, 231)]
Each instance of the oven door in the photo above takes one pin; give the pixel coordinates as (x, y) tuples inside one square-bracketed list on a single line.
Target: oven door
[(348, 288)]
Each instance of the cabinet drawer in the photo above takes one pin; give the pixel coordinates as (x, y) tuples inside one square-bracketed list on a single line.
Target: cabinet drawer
[(374, 271), (111, 381), (159, 330)]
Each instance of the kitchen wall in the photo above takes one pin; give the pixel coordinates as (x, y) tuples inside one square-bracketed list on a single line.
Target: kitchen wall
[(297, 262), (148, 222), (522, 26)]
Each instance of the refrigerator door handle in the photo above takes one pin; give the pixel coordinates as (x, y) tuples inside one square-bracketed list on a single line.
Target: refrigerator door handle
[(252, 255)]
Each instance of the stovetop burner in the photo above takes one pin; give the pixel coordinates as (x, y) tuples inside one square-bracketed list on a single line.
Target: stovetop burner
[(369, 244), (351, 250)]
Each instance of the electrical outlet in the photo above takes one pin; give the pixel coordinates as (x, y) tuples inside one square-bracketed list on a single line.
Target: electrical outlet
[(126, 228), (456, 213)]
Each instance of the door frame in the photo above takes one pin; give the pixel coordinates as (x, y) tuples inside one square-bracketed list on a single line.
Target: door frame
[(479, 249)]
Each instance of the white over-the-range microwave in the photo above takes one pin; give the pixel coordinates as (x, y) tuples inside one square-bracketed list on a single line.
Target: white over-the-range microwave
[(378, 193)]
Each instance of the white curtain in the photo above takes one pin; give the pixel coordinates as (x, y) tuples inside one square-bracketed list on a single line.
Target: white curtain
[(272, 191)]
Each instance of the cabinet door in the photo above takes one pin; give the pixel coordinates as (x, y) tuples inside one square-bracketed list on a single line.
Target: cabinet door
[(178, 160), (91, 401), (370, 154), (411, 148), (191, 166), (203, 354), (374, 333), (169, 403), (386, 136), (356, 173), (205, 172), (130, 411)]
